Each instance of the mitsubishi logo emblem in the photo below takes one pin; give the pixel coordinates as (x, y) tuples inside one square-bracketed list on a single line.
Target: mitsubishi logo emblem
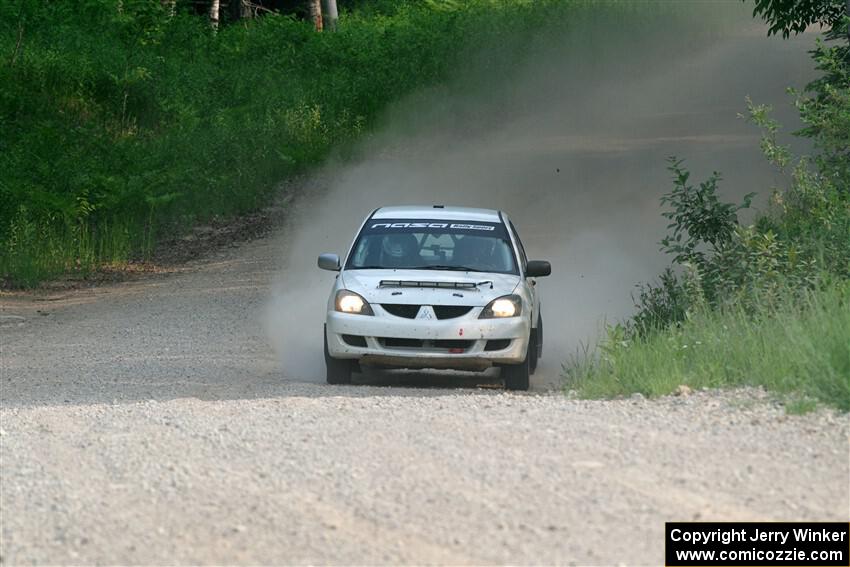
[(426, 313)]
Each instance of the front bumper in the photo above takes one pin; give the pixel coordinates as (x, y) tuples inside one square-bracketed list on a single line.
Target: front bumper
[(463, 343)]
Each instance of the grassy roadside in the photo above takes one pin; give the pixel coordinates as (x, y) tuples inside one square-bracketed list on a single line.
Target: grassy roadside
[(800, 350)]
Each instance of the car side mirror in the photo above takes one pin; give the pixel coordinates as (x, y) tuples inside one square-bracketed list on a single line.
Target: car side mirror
[(329, 262), (538, 269)]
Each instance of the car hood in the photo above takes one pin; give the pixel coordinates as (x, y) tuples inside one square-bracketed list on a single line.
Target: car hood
[(368, 284)]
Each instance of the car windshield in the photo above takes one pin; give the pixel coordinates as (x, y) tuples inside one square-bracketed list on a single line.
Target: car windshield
[(433, 245)]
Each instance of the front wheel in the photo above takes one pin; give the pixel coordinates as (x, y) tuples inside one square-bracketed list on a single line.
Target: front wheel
[(516, 376), (339, 370), (535, 344), (532, 352)]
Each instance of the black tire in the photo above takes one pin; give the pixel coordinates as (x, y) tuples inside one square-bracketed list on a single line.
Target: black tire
[(539, 342), (516, 376), (532, 352), (339, 370)]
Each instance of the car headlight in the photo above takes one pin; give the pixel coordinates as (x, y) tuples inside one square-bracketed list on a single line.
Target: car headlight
[(350, 302), (505, 306)]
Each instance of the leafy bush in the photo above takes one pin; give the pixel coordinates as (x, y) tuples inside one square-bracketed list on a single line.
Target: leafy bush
[(661, 304), (699, 218)]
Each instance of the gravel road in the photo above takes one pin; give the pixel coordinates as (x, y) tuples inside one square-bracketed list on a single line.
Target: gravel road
[(153, 421), (148, 423)]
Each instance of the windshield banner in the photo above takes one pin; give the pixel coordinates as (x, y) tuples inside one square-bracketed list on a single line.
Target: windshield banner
[(375, 226)]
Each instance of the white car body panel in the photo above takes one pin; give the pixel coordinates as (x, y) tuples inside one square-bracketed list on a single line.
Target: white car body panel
[(386, 335), (445, 213)]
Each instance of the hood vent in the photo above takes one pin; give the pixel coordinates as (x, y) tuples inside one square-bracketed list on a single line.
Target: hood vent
[(443, 285)]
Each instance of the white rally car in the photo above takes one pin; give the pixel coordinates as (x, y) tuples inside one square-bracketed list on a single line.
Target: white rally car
[(435, 287)]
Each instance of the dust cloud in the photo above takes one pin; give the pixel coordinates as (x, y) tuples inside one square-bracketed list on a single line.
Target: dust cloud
[(571, 143)]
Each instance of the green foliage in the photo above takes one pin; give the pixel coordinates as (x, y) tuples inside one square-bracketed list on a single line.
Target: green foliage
[(794, 16), (120, 113), (661, 304), (825, 109), (698, 217), (34, 251), (800, 350)]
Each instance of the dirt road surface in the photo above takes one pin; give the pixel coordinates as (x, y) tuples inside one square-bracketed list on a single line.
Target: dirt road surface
[(183, 418), (148, 423)]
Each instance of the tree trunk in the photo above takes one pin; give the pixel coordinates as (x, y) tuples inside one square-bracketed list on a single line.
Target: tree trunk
[(332, 15), (316, 13), (215, 6), (238, 10)]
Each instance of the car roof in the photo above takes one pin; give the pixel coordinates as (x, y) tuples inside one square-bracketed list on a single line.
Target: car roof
[(437, 212)]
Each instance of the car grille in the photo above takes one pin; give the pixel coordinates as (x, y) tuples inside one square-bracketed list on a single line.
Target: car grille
[(391, 342), (409, 311), (401, 310), (451, 311)]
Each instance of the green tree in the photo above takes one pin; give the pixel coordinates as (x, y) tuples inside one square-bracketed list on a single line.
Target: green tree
[(795, 16)]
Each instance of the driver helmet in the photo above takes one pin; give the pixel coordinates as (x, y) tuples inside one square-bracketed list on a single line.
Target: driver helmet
[(471, 250)]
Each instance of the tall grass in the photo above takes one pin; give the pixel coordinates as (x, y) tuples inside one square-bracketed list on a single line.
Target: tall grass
[(800, 349)]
